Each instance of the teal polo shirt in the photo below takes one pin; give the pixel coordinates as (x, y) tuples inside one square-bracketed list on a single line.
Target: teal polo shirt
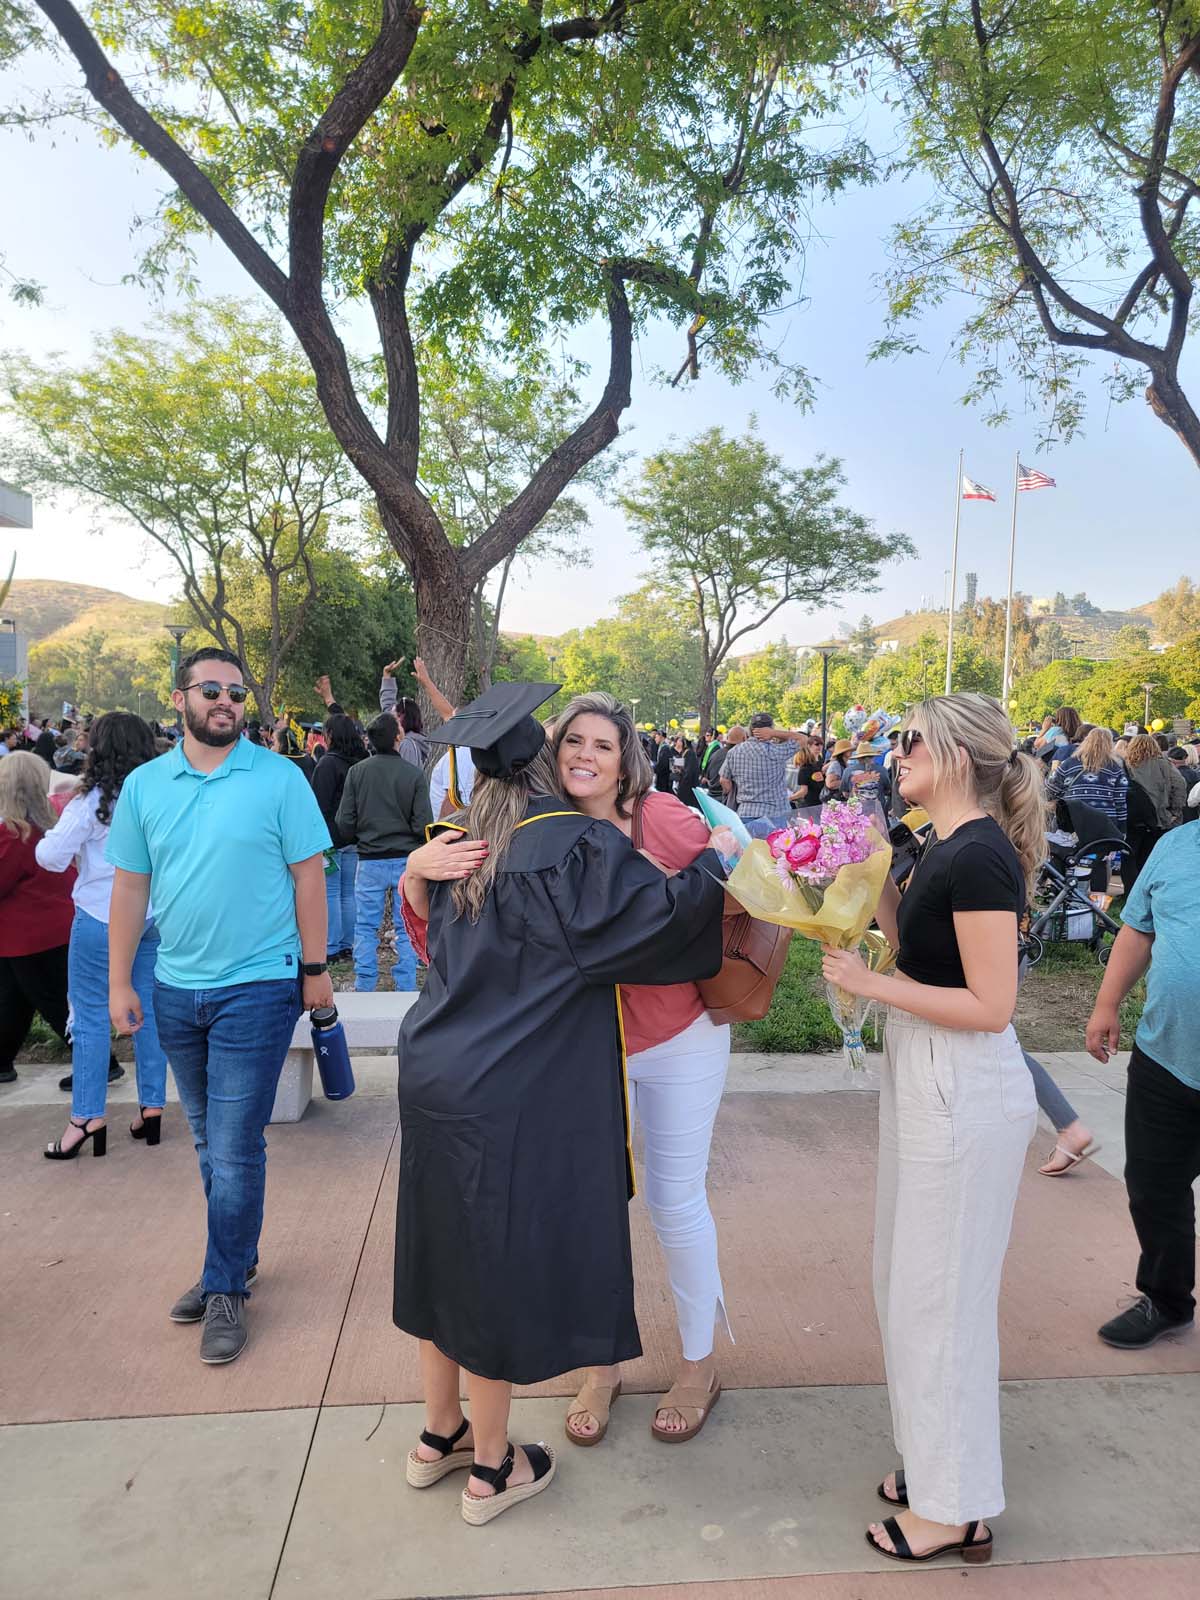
[(217, 847), (1166, 903)]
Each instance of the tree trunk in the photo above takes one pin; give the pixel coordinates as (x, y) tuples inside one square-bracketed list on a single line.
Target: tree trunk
[(707, 707), (443, 630), (1170, 405)]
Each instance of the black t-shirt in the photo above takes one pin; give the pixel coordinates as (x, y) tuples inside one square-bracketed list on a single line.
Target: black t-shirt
[(975, 869)]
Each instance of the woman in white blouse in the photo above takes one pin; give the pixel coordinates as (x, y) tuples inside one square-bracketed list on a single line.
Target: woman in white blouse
[(119, 742)]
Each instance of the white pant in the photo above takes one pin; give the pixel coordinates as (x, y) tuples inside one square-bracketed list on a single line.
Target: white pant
[(956, 1113), (674, 1092)]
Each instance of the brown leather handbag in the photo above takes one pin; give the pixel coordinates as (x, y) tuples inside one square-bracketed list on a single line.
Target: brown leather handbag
[(755, 954)]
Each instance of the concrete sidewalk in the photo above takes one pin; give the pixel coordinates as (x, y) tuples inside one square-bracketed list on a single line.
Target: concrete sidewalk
[(133, 1470)]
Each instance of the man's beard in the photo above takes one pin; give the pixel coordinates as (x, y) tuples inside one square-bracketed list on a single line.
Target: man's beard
[(198, 727)]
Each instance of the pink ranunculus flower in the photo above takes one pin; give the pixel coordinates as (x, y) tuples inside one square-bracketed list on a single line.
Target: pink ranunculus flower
[(800, 853), (777, 842)]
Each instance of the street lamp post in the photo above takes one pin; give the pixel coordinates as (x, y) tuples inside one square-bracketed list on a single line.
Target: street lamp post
[(825, 651), (1146, 688), (178, 632)]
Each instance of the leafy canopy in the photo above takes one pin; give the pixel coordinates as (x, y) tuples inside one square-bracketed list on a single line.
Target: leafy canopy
[(679, 133), (1063, 140)]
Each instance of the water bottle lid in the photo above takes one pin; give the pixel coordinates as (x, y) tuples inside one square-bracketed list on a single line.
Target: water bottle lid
[(323, 1016)]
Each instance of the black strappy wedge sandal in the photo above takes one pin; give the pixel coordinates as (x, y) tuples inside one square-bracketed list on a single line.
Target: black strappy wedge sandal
[(976, 1552), (424, 1474), (901, 1491), (477, 1511)]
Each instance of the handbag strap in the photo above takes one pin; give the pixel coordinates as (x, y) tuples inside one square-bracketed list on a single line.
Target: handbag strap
[(637, 832)]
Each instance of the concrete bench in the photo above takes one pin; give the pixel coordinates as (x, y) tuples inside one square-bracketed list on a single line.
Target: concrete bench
[(371, 1021)]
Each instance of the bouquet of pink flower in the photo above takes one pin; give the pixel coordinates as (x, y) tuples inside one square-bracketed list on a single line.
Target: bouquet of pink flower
[(822, 875)]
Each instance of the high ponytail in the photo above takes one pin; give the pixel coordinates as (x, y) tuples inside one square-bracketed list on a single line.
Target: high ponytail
[(971, 729), (1021, 812)]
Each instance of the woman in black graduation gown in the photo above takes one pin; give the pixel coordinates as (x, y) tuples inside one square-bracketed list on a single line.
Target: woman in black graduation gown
[(512, 1102)]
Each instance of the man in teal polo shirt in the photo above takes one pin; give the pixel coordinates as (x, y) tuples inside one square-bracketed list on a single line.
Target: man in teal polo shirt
[(1162, 1107), (229, 840)]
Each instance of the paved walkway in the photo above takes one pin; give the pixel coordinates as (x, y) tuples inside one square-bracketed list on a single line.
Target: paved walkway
[(132, 1470)]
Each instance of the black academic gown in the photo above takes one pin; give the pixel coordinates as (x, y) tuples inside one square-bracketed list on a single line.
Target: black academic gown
[(512, 1225)]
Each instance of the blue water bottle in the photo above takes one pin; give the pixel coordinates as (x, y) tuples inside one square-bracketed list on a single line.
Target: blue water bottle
[(332, 1053)]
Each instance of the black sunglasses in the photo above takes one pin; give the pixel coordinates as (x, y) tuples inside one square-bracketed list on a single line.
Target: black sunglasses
[(237, 692), (909, 740)]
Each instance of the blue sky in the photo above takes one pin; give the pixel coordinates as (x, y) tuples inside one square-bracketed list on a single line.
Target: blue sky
[(1122, 524)]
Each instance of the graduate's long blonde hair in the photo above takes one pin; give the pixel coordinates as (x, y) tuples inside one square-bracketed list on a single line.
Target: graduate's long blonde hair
[(497, 809)]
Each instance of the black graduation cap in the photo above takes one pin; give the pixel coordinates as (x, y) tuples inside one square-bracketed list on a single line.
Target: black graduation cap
[(499, 728)]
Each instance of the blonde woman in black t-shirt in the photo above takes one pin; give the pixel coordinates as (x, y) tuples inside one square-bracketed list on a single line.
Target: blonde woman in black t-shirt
[(956, 1113)]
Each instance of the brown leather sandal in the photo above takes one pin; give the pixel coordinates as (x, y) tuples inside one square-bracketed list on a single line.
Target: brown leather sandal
[(685, 1398), (596, 1399)]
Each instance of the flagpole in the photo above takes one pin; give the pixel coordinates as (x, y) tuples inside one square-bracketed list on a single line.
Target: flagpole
[(958, 490), (1012, 553)]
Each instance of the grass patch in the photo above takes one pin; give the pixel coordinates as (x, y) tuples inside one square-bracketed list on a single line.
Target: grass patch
[(799, 1018)]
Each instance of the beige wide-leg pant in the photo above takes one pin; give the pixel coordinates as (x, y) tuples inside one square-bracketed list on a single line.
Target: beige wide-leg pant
[(956, 1113)]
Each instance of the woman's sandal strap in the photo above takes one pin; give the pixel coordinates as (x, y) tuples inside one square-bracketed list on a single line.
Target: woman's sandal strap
[(595, 1399), (896, 1534), (687, 1397), (540, 1460), (444, 1447), (901, 1486), (496, 1476)]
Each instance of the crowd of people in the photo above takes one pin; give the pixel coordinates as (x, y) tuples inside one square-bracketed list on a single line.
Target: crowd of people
[(566, 902)]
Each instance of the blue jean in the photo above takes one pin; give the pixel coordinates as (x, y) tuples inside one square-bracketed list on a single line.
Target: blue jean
[(91, 1034), (760, 827), (1049, 1096), (339, 898), (227, 1048), (370, 886)]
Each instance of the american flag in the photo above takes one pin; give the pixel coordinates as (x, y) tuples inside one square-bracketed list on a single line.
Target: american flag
[(975, 491), (1031, 478)]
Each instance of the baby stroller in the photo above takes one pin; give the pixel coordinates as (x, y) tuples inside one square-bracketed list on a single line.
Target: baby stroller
[(1063, 910)]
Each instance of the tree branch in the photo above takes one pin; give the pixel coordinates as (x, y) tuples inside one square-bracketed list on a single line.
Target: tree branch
[(107, 88), (598, 429)]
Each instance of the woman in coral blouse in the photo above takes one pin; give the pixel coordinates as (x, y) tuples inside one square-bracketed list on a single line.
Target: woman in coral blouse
[(677, 1059)]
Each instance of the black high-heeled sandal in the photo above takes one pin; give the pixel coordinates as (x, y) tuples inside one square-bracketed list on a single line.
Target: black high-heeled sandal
[(98, 1136), (976, 1552), (424, 1474), (477, 1511), (150, 1130), (901, 1498)]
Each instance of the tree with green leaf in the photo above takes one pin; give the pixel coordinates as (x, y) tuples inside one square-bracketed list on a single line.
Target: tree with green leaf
[(208, 439), (1129, 641), (757, 683), (489, 176), (738, 535), (649, 652), (1063, 142), (1177, 610)]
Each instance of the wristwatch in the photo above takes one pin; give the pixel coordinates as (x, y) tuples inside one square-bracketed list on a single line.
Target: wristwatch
[(313, 969)]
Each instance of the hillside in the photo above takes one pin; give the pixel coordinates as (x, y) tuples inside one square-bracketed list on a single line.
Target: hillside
[(46, 609), (1094, 633)]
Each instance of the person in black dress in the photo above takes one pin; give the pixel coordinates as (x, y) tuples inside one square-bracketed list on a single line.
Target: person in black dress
[(513, 1111)]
